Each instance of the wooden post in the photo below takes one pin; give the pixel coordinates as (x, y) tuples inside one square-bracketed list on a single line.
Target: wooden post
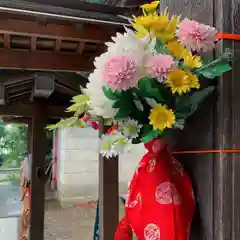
[(108, 195), (227, 132), (215, 125), (37, 193)]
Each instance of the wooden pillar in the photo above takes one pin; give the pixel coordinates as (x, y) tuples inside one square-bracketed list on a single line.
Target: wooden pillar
[(227, 132), (108, 196), (39, 144)]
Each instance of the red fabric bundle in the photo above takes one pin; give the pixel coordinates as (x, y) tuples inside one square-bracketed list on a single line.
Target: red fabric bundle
[(160, 203)]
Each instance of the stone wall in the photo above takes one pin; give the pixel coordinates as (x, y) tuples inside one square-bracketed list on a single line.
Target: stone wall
[(78, 165)]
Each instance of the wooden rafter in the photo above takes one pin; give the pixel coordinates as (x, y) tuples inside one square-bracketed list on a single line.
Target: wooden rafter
[(87, 32), (47, 61)]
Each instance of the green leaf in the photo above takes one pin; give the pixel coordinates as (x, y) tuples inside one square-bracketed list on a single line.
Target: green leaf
[(122, 113), (151, 135), (187, 105), (160, 48), (216, 70), (55, 126), (149, 88), (68, 122), (110, 94)]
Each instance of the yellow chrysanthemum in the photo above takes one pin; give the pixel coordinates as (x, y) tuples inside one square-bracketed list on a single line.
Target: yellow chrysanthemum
[(179, 51), (161, 117), (182, 81), (165, 29), (150, 7), (176, 49), (191, 61)]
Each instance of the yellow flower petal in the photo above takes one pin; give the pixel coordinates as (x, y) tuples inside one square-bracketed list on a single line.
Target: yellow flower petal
[(141, 31), (181, 81), (150, 7), (191, 61), (176, 49), (161, 117)]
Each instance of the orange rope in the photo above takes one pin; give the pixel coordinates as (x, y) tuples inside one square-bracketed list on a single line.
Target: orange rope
[(228, 36), (207, 151)]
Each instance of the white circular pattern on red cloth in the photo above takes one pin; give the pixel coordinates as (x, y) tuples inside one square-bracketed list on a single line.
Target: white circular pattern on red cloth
[(152, 232), (166, 193)]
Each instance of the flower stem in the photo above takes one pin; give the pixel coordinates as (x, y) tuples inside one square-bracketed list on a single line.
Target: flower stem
[(212, 63)]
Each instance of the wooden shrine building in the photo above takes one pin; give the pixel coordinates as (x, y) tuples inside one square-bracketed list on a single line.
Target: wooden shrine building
[(45, 44)]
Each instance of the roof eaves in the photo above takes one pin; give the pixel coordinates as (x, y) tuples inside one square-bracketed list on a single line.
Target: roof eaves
[(88, 13)]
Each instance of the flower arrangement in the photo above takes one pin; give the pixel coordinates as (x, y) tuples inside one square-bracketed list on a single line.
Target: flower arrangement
[(147, 82)]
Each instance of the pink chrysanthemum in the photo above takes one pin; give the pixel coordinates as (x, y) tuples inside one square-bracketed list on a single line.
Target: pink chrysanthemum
[(159, 66), (196, 36), (120, 73)]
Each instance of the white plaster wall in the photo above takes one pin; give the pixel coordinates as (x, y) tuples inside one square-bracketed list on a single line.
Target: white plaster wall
[(78, 165)]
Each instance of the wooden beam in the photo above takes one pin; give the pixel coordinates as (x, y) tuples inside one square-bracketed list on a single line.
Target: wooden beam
[(44, 85), (38, 151), (47, 61), (27, 110), (17, 120), (88, 33), (2, 94), (108, 195)]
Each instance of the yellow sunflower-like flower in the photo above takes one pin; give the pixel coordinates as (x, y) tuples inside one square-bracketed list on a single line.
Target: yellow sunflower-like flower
[(161, 117), (163, 27), (150, 8), (182, 81), (191, 61)]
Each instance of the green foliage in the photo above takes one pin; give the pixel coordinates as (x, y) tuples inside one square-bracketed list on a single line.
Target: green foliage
[(161, 48), (215, 70), (13, 144), (186, 105), (150, 88), (110, 94), (124, 105), (78, 107), (150, 134)]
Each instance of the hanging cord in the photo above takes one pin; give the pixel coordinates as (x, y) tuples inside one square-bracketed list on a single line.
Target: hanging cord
[(207, 151)]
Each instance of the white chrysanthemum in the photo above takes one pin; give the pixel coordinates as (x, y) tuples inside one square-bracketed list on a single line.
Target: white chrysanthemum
[(129, 43), (122, 145), (113, 144), (99, 105), (107, 146), (130, 128)]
